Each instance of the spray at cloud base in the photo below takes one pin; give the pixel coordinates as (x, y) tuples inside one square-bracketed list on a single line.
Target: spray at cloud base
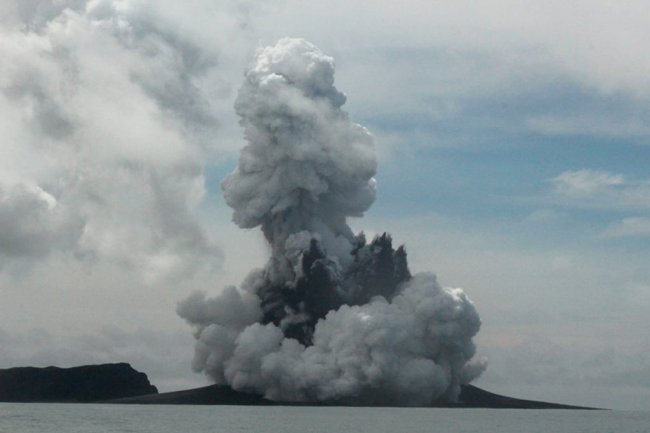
[(330, 316)]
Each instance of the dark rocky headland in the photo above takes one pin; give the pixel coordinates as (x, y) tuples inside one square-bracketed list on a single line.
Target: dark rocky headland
[(88, 383)]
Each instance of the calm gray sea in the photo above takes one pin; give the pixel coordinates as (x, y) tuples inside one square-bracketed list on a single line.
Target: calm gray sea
[(91, 418)]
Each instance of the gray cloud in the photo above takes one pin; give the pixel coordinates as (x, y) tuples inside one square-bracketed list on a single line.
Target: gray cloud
[(542, 366), (629, 227), (600, 51), (31, 223), (607, 191), (111, 111)]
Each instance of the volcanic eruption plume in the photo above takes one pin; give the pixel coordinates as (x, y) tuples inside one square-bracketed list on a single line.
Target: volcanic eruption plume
[(331, 317)]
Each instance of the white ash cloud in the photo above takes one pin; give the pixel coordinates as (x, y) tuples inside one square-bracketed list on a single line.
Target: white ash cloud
[(307, 166), (330, 317)]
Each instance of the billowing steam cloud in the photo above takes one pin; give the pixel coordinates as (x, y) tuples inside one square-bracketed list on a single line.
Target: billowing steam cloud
[(331, 317), (107, 106)]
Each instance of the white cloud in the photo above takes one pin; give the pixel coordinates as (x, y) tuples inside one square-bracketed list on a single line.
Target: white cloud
[(32, 222), (608, 124), (605, 191), (543, 216), (440, 60), (629, 227), (596, 42), (111, 110), (584, 182), (601, 190)]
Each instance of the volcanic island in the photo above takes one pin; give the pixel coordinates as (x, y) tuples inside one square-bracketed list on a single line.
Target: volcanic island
[(333, 318), (120, 383)]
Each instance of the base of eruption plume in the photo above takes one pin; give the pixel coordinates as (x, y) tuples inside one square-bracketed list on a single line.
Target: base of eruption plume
[(470, 397), (120, 383)]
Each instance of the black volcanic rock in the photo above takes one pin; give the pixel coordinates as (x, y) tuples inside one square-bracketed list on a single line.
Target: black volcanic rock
[(470, 397), (120, 383), (87, 383)]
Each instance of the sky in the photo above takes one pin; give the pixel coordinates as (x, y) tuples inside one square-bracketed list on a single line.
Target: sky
[(513, 147)]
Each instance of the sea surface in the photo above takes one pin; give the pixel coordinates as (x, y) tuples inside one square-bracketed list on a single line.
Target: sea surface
[(92, 418)]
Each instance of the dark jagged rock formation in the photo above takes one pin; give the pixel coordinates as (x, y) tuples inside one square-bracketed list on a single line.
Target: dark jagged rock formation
[(470, 397), (377, 270), (88, 383)]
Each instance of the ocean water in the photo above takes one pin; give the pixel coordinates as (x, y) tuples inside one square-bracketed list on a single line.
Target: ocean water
[(96, 418)]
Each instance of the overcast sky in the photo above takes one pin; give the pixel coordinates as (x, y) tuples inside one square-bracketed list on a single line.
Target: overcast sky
[(514, 152)]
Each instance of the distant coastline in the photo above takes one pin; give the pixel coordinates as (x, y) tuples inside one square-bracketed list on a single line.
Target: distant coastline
[(470, 397), (121, 384)]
